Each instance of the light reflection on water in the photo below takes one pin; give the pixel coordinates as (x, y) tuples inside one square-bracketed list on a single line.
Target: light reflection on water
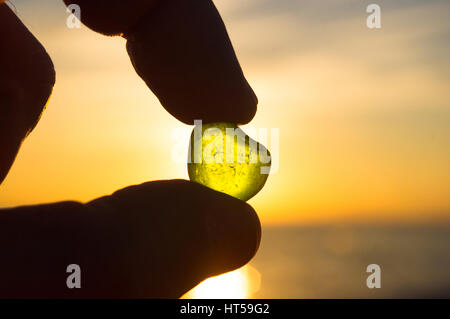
[(237, 284), (330, 262)]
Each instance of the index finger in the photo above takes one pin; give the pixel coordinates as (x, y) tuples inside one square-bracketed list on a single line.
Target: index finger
[(182, 51)]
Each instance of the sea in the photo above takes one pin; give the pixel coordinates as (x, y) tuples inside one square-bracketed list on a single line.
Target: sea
[(333, 261)]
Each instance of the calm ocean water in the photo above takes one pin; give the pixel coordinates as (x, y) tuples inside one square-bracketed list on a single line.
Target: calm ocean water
[(330, 262)]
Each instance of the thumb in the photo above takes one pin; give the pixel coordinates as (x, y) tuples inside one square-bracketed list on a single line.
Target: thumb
[(155, 240), (181, 233)]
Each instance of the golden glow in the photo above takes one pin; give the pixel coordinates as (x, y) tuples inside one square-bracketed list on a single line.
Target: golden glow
[(225, 159), (237, 284), (363, 114)]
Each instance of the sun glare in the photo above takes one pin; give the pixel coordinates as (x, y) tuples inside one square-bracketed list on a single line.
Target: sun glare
[(237, 284)]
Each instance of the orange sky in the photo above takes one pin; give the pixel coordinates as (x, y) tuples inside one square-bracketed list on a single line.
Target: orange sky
[(364, 115)]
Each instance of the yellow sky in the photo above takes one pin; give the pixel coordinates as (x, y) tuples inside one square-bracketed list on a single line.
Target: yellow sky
[(363, 114)]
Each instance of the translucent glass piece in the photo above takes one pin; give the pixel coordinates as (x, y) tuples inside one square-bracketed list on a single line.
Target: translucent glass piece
[(224, 158)]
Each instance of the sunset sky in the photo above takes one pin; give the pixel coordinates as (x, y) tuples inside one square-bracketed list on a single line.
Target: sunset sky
[(363, 114)]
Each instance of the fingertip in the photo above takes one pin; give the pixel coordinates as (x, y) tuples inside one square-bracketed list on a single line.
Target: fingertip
[(183, 53), (233, 231), (248, 108)]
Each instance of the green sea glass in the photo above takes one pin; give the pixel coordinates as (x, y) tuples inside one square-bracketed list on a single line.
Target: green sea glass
[(224, 158)]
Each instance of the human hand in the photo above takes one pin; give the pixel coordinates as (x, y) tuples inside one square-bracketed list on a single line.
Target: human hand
[(158, 239)]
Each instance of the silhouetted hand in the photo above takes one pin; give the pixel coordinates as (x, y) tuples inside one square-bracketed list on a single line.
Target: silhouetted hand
[(158, 239)]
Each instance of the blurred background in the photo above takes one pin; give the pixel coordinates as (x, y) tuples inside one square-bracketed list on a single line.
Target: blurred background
[(364, 142)]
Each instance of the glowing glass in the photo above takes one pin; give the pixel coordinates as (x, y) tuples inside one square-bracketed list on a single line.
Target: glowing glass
[(224, 158)]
